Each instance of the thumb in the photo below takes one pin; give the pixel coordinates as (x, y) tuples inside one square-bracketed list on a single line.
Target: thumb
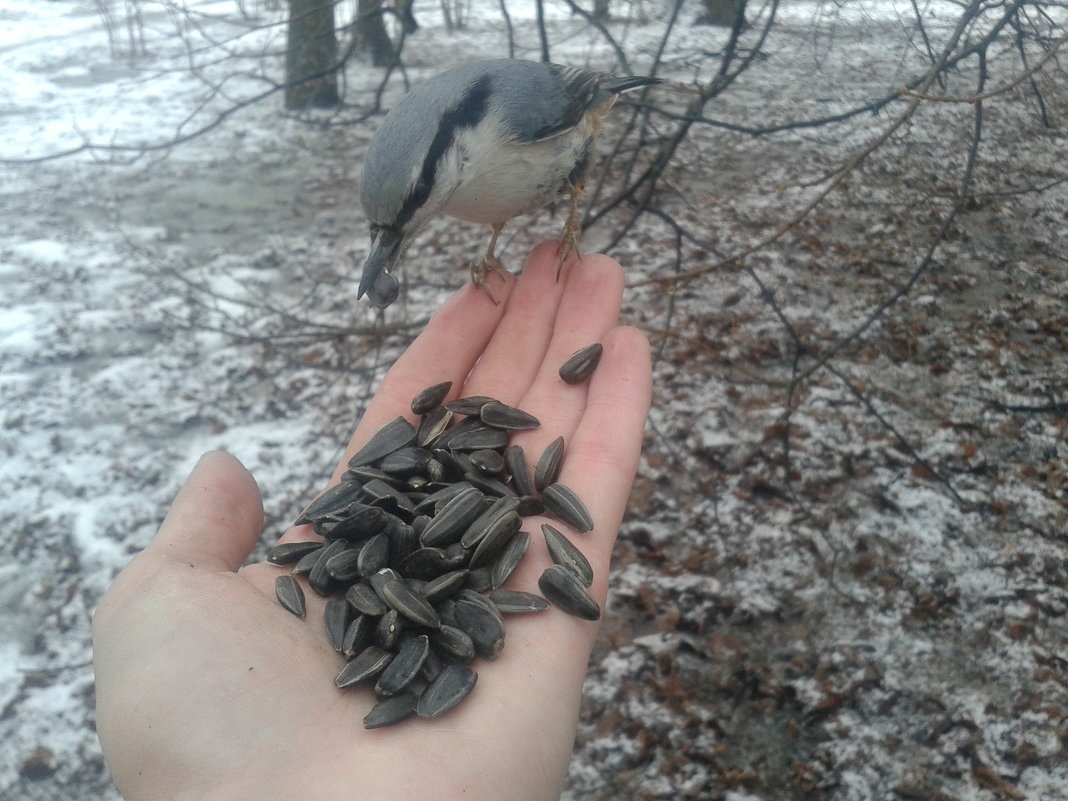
[(216, 518)]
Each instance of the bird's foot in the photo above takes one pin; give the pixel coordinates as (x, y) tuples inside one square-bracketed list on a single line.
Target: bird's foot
[(481, 270), (569, 240)]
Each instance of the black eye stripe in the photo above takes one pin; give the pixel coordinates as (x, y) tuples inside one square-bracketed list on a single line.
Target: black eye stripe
[(470, 111)]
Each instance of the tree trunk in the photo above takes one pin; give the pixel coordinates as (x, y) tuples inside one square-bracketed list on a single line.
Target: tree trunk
[(721, 12), (371, 35), (311, 55)]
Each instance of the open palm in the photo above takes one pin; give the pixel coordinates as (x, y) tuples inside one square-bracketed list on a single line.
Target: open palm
[(207, 689)]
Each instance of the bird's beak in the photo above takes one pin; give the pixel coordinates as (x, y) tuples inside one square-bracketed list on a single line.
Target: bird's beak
[(376, 282)]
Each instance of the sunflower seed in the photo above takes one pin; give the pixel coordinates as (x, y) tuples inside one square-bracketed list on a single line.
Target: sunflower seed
[(501, 415), (564, 590), (379, 579), (432, 426), (562, 503), (491, 487), (511, 555), (288, 553), (389, 629), (405, 665), (405, 461), (319, 577), (391, 710), (360, 521), (425, 563), (487, 462), (365, 600), (483, 624), (478, 437), (382, 495), (548, 467), (329, 501), (336, 618), (371, 661), (430, 397), (563, 552), (343, 567), (305, 564), (455, 643), (451, 686), (482, 524), (358, 635), (392, 436), (443, 586), (495, 538), (413, 606), (581, 364), (290, 595), (515, 462), (514, 602), (455, 516), (471, 405), (374, 555)]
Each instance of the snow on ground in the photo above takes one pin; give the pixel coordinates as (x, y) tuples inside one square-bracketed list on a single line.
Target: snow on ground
[(832, 624)]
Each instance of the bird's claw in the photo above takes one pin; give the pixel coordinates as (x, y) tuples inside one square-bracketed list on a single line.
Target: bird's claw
[(569, 239), (480, 272)]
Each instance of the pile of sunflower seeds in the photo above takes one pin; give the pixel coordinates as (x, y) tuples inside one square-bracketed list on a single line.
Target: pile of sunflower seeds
[(419, 536)]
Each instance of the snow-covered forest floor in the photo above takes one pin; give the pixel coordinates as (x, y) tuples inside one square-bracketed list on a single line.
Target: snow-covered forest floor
[(863, 600)]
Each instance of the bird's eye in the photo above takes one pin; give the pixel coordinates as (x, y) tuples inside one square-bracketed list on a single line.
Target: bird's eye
[(420, 192)]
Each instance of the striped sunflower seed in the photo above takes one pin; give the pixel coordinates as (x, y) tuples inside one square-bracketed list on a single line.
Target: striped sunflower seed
[(336, 618), (581, 364), (405, 666), (563, 552), (483, 624), (358, 635), (432, 426), (514, 602), (453, 518), (452, 685), (440, 588), (495, 538), (365, 600), (562, 503), (290, 595), (470, 405), (389, 711), (371, 661), (455, 642), (329, 501), (509, 559), (515, 462), (288, 553), (501, 415), (374, 555), (564, 590), (432, 396), (394, 435), (409, 603), (548, 468)]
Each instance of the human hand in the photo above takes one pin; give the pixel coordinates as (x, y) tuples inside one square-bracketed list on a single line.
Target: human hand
[(207, 689)]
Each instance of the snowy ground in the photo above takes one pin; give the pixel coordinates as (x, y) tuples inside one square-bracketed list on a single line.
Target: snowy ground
[(830, 621)]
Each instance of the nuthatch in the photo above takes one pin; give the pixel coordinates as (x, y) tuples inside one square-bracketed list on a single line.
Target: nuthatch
[(484, 142)]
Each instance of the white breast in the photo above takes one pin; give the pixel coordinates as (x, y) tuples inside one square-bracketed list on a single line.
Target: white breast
[(501, 179)]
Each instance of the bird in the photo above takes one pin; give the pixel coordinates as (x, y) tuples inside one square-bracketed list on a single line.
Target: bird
[(483, 142)]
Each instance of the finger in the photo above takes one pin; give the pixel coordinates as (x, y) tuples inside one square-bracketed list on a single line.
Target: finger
[(602, 458), (512, 357), (588, 310), (602, 453), (216, 518)]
